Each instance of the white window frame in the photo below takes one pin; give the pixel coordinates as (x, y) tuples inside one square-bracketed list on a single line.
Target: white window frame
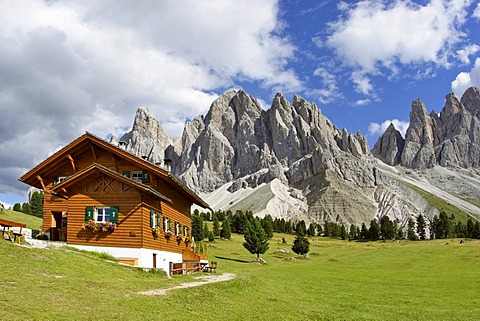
[(96, 214), (165, 223), (137, 176), (61, 179)]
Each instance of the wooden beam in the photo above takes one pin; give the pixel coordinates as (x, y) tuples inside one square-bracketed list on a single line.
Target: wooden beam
[(72, 162), (41, 182), (115, 161), (93, 152)]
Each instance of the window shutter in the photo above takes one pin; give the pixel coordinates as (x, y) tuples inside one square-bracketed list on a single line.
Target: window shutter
[(126, 173), (114, 214), (169, 224), (55, 180), (145, 177), (88, 213), (152, 219), (158, 220)]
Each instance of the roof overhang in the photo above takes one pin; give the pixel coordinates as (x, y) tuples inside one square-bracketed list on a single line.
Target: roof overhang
[(94, 170)]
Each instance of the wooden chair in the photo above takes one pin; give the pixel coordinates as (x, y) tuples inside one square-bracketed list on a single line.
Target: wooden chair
[(210, 268)]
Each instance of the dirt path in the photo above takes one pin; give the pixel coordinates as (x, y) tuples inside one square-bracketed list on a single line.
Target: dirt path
[(206, 280)]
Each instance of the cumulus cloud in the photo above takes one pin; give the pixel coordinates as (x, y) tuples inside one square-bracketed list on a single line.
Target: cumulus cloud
[(374, 34), (329, 91), (476, 12), (465, 53), (375, 129), (465, 80), (67, 67)]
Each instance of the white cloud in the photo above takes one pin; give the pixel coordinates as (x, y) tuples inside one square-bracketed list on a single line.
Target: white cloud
[(67, 67), (362, 83), (375, 34), (363, 102), (465, 53), (465, 80), (476, 12), (329, 91), (375, 129)]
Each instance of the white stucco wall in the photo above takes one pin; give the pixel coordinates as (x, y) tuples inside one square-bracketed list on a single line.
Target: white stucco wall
[(144, 256)]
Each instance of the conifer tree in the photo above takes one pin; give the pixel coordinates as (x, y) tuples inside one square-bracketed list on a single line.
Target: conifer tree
[(256, 241), (226, 231), (421, 224), (216, 226)]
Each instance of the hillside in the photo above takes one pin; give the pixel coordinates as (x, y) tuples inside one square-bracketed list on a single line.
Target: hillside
[(32, 222), (429, 280)]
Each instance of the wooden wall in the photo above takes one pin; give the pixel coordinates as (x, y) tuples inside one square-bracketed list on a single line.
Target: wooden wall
[(129, 229)]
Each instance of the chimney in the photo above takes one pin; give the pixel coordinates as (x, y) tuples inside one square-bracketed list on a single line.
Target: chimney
[(168, 164)]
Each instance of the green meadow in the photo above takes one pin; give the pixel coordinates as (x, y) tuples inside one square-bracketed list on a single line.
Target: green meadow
[(424, 280), (32, 222)]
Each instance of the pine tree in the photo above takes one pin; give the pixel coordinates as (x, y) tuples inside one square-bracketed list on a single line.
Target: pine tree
[(267, 225), (421, 224), (364, 232), (411, 230), (216, 226), (311, 230), (352, 234), (197, 228), (301, 245), (343, 232), (256, 241), (226, 231), (374, 230), (205, 230), (301, 228), (36, 204)]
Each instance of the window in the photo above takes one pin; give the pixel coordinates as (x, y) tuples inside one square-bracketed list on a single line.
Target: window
[(165, 223), (58, 180), (102, 214), (154, 219), (137, 176)]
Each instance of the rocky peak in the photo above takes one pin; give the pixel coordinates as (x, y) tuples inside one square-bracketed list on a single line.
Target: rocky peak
[(147, 138), (389, 146), (471, 101)]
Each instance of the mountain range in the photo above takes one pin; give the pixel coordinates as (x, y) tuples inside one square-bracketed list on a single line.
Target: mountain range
[(291, 162)]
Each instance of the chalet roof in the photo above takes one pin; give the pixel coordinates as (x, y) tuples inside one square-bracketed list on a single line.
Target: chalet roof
[(96, 168), (88, 140)]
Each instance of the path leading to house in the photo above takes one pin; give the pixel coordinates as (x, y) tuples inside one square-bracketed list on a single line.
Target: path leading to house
[(207, 279)]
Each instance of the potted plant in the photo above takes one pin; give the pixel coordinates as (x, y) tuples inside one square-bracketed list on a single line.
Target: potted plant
[(156, 231), (168, 234)]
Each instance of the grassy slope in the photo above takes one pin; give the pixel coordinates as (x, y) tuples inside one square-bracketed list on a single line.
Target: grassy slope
[(352, 281), (442, 205), (32, 222)]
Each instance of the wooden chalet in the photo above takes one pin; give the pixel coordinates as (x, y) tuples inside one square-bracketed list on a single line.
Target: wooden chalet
[(99, 197)]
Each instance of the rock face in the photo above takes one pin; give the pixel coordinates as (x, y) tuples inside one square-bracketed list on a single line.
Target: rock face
[(290, 161), (389, 147), (147, 138), (451, 139)]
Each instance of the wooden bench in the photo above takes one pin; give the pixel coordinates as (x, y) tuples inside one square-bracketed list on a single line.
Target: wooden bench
[(210, 268), (6, 228)]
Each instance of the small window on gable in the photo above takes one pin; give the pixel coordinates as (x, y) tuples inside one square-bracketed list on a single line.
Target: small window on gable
[(59, 179), (137, 176)]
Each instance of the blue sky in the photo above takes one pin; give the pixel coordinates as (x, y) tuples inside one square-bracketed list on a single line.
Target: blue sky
[(69, 67)]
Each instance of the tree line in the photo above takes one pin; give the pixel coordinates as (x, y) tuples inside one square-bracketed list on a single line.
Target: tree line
[(34, 206), (417, 228)]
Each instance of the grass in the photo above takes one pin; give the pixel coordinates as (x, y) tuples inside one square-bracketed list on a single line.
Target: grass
[(31, 221), (427, 280), (442, 205)]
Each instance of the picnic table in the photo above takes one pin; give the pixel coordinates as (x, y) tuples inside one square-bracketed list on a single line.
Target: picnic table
[(6, 228)]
